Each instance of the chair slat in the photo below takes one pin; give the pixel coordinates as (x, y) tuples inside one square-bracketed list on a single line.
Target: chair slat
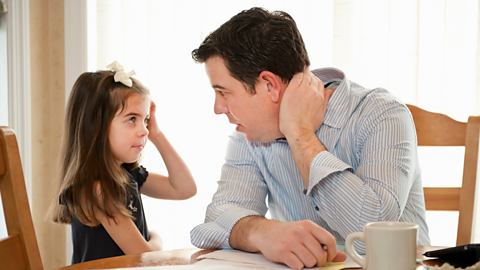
[(11, 253), (442, 199)]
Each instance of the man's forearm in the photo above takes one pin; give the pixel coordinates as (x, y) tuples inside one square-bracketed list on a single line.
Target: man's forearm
[(304, 149), (245, 232)]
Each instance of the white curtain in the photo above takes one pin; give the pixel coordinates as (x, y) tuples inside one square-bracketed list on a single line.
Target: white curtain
[(426, 52)]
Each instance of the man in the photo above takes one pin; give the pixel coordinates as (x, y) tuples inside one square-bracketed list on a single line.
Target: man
[(329, 154)]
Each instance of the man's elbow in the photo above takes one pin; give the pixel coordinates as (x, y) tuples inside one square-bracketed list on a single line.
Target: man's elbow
[(391, 213)]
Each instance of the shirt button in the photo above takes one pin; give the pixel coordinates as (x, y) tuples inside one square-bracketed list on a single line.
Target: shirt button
[(316, 208), (305, 191)]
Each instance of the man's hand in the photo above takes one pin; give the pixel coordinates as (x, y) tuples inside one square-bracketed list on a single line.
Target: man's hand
[(303, 106), (302, 112), (296, 244)]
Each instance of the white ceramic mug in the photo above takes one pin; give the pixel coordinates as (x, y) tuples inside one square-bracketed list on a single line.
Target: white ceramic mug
[(389, 245)]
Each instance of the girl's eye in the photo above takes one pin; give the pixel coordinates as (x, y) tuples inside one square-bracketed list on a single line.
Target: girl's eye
[(147, 120), (131, 120)]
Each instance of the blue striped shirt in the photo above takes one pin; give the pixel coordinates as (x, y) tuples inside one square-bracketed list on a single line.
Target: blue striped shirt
[(369, 173)]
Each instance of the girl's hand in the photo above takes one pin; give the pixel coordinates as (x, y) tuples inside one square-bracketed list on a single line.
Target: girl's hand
[(153, 128), (179, 184)]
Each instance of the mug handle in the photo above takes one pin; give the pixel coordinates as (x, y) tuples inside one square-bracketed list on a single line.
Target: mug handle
[(351, 251)]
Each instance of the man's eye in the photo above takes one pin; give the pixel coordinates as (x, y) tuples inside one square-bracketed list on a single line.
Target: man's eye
[(222, 93)]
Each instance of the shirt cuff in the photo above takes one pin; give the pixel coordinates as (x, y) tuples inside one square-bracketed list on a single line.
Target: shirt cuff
[(322, 166), (217, 233)]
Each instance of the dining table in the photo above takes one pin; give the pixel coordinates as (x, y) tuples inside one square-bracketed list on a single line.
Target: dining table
[(189, 256)]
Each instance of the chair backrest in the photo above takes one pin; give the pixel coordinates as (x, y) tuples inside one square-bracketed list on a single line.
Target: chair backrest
[(434, 129), (20, 249)]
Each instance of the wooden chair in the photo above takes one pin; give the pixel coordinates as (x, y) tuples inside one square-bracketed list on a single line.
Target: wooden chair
[(19, 251), (434, 129)]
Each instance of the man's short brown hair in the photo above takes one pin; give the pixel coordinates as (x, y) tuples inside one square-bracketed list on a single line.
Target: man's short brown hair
[(256, 40)]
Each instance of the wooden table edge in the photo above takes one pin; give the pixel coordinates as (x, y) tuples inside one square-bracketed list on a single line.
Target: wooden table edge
[(183, 257)]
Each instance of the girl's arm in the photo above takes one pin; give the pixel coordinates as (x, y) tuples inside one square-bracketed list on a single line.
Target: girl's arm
[(179, 184), (125, 233), (155, 240), (127, 236)]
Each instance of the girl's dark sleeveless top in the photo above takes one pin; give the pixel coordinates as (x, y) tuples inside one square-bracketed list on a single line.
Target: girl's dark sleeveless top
[(92, 243)]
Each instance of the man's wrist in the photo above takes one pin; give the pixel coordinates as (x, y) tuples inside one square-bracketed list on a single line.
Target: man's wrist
[(304, 149), (297, 133), (246, 232)]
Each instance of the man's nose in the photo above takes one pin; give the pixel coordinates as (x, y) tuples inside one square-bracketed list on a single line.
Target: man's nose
[(220, 105)]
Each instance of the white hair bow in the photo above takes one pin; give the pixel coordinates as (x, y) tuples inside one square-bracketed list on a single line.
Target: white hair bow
[(121, 75)]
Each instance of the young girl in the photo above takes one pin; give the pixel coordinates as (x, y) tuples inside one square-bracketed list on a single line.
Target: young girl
[(109, 118)]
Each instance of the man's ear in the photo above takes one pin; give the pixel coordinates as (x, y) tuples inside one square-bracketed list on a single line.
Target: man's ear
[(271, 82)]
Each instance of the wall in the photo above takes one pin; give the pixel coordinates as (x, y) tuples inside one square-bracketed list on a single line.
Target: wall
[(3, 98), (48, 102), (3, 71)]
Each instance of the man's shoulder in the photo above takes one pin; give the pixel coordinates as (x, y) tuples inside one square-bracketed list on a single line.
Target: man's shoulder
[(353, 103), (356, 94), (380, 100), (377, 106)]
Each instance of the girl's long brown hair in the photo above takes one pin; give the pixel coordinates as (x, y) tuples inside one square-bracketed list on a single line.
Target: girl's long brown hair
[(86, 161)]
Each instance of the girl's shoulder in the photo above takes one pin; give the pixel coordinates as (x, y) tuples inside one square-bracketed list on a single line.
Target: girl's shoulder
[(138, 174)]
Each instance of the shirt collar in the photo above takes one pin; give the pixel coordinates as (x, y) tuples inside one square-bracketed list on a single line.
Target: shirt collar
[(338, 108)]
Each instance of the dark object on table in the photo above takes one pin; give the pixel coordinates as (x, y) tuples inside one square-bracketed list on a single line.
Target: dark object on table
[(461, 256)]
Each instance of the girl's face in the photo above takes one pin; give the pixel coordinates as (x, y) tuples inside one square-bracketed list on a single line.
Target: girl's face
[(128, 130)]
